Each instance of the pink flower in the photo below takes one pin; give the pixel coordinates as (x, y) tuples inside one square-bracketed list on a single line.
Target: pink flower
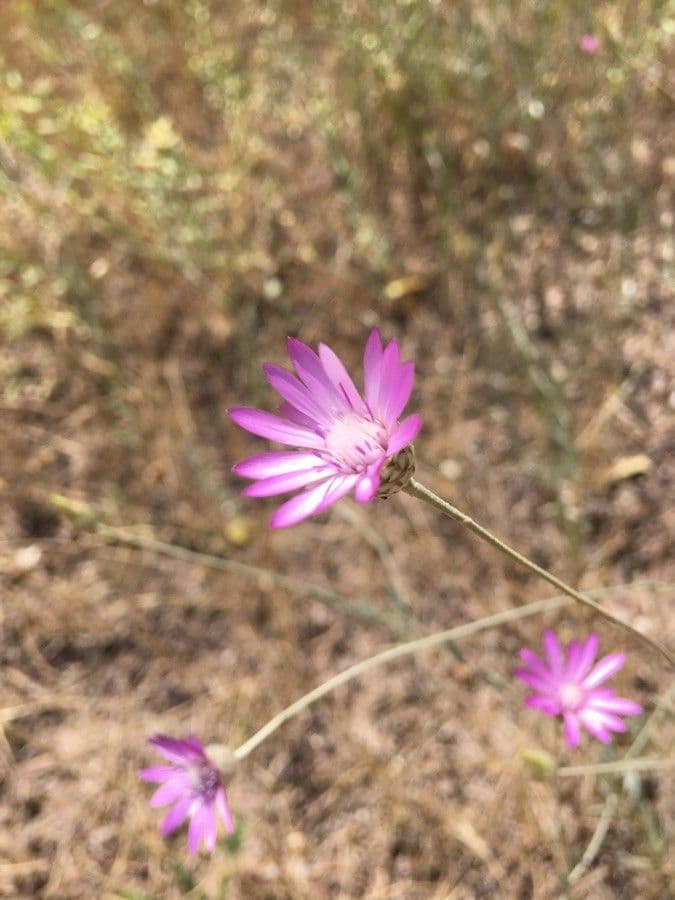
[(193, 785), (342, 439), (590, 43), (567, 686)]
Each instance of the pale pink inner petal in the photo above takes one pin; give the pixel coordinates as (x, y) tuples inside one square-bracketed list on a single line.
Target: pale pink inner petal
[(608, 666)]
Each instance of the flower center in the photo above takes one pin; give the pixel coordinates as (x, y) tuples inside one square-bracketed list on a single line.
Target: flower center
[(354, 443), (205, 780), (570, 695)]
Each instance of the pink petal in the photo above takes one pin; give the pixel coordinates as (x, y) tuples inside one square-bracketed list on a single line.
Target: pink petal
[(553, 651), (543, 683), (198, 827), (223, 808), (294, 392), (368, 485), (312, 501), (178, 750), (177, 815), (267, 425), (341, 378), (534, 663), (267, 465), (401, 389), (308, 366), (587, 656), (286, 411), (391, 361), (622, 706), (169, 792), (571, 730), (405, 434), (547, 705), (291, 481), (609, 665), (372, 368), (158, 773)]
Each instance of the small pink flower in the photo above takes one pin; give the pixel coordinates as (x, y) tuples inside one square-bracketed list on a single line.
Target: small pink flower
[(590, 43), (343, 439), (567, 686), (193, 785)]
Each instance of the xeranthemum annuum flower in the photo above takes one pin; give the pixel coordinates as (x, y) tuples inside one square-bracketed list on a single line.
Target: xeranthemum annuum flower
[(568, 686), (343, 440), (192, 786)]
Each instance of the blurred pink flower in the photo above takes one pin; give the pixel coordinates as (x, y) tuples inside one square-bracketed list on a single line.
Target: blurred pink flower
[(193, 785), (590, 43), (343, 439), (567, 686)]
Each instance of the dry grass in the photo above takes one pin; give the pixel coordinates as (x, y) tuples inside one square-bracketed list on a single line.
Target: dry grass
[(184, 184)]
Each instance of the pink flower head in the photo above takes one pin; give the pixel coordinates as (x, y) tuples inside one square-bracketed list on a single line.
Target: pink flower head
[(193, 785), (342, 439), (567, 686), (589, 43)]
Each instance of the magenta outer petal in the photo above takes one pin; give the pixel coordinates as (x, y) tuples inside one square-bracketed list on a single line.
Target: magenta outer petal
[(587, 656), (157, 773), (267, 425), (621, 706), (391, 360), (401, 388), (177, 815), (553, 651), (171, 791), (313, 501), (405, 434), (340, 377), (281, 484), (571, 730), (209, 826), (223, 808), (542, 683), (308, 366), (533, 663), (608, 666), (178, 750), (294, 392), (197, 829), (372, 368), (547, 705), (267, 465)]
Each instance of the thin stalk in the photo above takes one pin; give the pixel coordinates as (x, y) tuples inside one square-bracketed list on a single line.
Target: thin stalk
[(619, 767), (415, 489), (385, 656)]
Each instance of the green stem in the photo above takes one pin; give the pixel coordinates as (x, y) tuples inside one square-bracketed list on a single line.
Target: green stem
[(618, 767), (415, 489), (360, 668)]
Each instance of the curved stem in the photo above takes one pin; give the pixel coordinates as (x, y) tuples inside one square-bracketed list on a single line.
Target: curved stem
[(359, 668), (415, 489)]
